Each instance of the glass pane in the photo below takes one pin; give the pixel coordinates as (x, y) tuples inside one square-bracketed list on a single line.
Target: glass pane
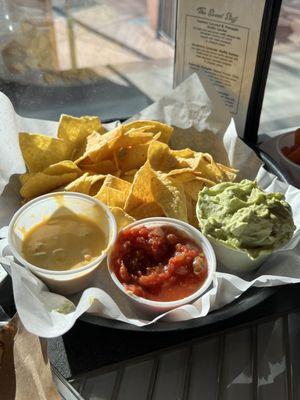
[(282, 95), (105, 57)]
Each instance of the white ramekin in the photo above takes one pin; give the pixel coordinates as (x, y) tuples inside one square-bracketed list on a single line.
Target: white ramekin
[(198, 237), (234, 260), (66, 281)]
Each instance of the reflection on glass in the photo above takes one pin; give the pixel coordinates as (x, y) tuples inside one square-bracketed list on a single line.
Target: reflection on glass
[(108, 58), (282, 95)]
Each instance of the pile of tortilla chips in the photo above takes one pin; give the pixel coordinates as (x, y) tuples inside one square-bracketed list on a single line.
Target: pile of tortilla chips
[(130, 168)]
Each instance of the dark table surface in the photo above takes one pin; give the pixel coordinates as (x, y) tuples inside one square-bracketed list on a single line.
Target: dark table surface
[(87, 347)]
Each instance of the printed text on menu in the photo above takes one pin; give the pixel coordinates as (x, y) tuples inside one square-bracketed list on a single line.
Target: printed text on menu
[(217, 45)]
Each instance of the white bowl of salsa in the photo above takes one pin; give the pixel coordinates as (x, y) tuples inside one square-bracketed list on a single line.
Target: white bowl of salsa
[(62, 238), (161, 263)]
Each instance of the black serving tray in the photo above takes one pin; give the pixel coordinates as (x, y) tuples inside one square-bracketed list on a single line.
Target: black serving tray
[(246, 301), (249, 299)]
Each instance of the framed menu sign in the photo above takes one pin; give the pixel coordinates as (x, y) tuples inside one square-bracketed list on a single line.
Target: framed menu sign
[(231, 43)]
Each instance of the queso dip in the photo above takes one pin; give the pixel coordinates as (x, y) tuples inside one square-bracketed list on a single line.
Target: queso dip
[(63, 242)]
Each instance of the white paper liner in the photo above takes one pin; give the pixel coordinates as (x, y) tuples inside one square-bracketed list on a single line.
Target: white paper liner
[(194, 106)]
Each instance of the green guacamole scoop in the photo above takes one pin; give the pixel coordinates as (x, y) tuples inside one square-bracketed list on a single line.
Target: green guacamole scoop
[(244, 217)]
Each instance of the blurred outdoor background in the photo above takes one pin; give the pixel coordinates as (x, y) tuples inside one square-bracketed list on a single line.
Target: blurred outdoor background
[(112, 58)]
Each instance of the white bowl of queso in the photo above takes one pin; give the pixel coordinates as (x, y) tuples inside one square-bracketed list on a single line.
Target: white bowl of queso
[(62, 238)]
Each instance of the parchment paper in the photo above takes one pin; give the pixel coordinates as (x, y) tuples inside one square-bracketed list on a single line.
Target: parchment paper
[(200, 122)]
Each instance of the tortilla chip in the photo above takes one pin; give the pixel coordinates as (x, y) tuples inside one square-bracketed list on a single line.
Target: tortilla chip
[(192, 188), (134, 157), (111, 197), (103, 167), (93, 140), (115, 144), (129, 175), (140, 192), (147, 210), (206, 182), (24, 177), (130, 149), (100, 147), (169, 196), (75, 130), (40, 151), (183, 153), (114, 191), (41, 183), (181, 175), (206, 167), (62, 167), (53, 177), (230, 173), (154, 127), (139, 126), (131, 172), (191, 211), (135, 136), (121, 217), (161, 159), (87, 184), (117, 183)]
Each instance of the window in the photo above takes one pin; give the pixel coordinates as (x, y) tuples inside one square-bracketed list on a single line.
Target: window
[(105, 57), (112, 58), (282, 95)]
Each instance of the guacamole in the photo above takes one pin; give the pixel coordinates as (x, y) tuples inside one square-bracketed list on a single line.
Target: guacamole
[(244, 217)]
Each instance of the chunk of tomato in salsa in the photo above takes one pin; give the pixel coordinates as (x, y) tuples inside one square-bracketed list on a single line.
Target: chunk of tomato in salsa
[(158, 263)]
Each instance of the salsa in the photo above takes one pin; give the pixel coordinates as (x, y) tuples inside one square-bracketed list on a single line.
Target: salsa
[(158, 263)]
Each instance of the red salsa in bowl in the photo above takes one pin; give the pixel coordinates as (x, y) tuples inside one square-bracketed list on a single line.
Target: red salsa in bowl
[(158, 263)]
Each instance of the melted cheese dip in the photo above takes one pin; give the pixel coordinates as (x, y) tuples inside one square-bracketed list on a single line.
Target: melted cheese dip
[(63, 242)]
